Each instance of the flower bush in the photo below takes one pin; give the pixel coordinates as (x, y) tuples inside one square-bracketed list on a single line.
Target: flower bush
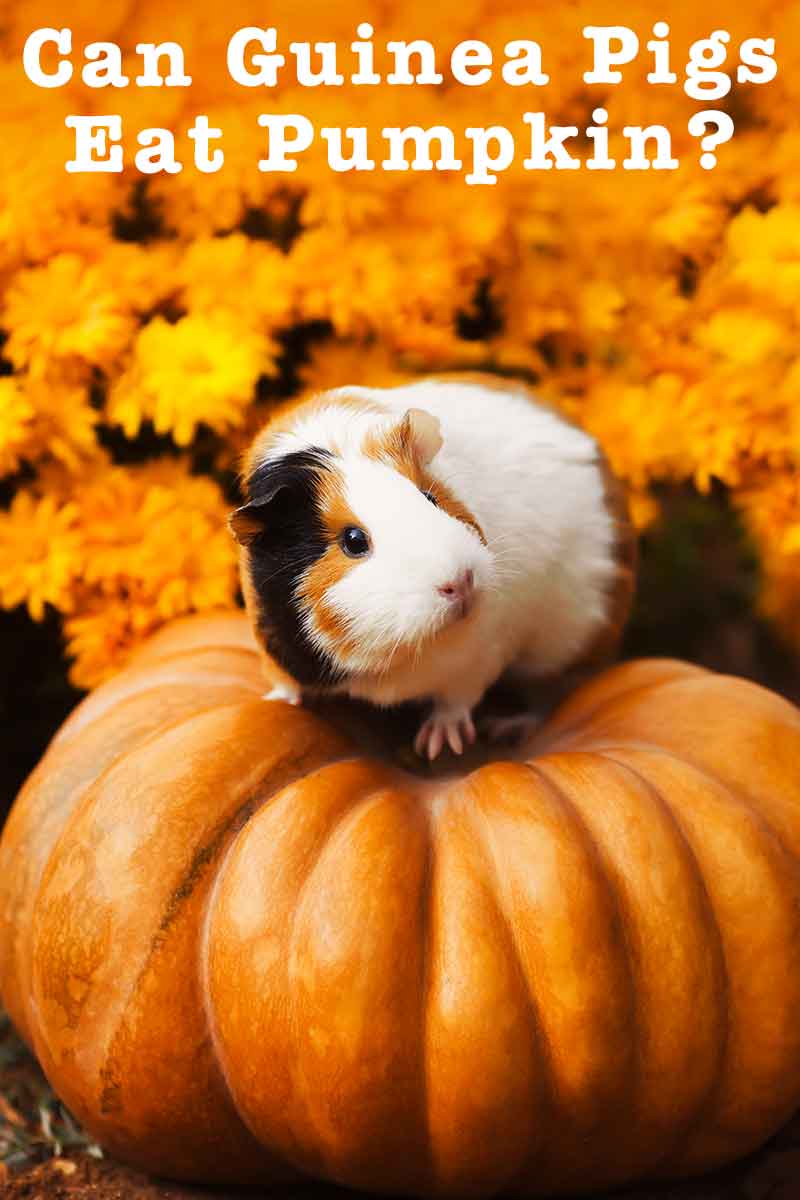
[(148, 324)]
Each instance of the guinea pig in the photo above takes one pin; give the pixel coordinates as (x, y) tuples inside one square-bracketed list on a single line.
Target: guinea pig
[(418, 542)]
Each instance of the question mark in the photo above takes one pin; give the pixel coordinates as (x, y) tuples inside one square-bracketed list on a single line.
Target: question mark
[(724, 132)]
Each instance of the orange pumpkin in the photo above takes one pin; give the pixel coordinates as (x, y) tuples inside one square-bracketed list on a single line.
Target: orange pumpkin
[(242, 949)]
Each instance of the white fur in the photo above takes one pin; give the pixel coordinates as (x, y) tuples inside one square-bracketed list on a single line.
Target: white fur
[(330, 426), (285, 693), (391, 599), (535, 486)]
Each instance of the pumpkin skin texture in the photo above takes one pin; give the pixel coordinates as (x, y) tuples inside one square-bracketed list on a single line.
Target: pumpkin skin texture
[(243, 949)]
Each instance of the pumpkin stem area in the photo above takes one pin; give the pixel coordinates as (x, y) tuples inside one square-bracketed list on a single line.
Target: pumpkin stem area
[(388, 733)]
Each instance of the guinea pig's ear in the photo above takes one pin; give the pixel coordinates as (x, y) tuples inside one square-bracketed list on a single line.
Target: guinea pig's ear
[(247, 522), (277, 486), (421, 433)]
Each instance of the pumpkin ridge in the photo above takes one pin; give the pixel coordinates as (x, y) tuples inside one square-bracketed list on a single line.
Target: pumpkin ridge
[(64, 747), (600, 746), (155, 732), (150, 659), (481, 826), (426, 976), (153, 735), (292, 1160), (588, 714), (189, 652), (693, 678), (489, 1107), (292, 760), (88, 787), (204, 856), (348, 814), (218, 627), (685, 760), (731, 794), (245, 811), (634, 1074), (77, 722), (707, 1104)]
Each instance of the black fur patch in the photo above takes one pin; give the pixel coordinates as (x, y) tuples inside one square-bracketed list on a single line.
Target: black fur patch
[(283, 495)]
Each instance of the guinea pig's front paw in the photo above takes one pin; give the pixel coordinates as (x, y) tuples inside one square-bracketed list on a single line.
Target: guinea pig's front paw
[(452, 725), (283, 691)]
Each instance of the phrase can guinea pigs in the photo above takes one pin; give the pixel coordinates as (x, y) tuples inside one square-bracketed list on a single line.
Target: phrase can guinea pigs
[(418, 542)]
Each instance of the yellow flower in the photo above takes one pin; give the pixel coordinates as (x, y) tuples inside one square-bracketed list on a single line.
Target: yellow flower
[(601, 304), (660, 309), (643, 508), (142, 277), (335, 364), (159, 528), (249, 280), (155, 546), (64, 310), (102, 635), (401, 283), (63, 421), (120, 508), (41, 554), (771, 508), (769, 236), (16, 414), (640, 425), (197, 371), (743, 337), (690, 221)]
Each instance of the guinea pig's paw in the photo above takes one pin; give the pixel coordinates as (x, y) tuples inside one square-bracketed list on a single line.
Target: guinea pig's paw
[(283, 691), (452, 725)]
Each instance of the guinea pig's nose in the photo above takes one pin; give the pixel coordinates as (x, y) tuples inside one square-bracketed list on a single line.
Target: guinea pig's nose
[(460, 591)]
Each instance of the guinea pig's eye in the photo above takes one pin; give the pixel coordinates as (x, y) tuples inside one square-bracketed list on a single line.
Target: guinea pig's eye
[(354, 542), (430, 496)]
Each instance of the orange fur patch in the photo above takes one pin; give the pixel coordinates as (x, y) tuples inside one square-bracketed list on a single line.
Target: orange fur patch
[(332, 566), (395, 448), (451, 504), (286, 417)]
